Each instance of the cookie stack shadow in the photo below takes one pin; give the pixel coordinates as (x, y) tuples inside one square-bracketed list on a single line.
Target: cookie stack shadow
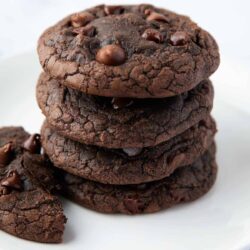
[(129, 133)]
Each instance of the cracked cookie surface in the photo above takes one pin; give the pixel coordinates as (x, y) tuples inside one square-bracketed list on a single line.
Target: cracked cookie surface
[(140, 123), (27, 208), (185, 184), (137, 51), (115, 166)]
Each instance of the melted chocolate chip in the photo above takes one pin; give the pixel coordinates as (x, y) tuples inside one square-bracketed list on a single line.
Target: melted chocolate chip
[(12, 180), (81, 19), (179, 38), (153, 35), (111, 55), (118, 103), (33, 144), (113, 10), (5, 154), (132, 151), (154, 16), (86, 31)]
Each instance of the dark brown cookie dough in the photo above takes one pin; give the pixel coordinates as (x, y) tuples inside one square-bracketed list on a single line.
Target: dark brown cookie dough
[(137, 123), (139, 51), (116, 167), (185, 184), (27, 208)]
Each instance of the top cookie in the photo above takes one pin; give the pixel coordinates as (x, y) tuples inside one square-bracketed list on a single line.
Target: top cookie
[(135, 51)]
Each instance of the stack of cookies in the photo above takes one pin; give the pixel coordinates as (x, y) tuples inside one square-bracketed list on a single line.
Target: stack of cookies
[(127, 101)]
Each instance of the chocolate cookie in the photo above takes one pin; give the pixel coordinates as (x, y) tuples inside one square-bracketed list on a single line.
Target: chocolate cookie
[(135, 51), (185, 184), (116, 166), (27, 208), (121, 123)]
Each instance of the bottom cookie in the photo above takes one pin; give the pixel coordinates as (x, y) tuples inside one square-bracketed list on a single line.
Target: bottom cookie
[(185, 184)]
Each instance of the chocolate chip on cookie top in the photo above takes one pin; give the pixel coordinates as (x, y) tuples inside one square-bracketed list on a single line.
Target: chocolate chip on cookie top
[(155, 16), (12, 180), (33, 144), (111, 55), (128, 51), (153, 35), (179, 38), (81, 19)]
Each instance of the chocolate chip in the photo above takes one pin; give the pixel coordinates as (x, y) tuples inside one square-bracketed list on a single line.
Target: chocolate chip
[(154, 16), (33, 144), (86, 31), (81, 19), (111, 55), (113, 10), (12, 180), (132, 151), (133, 205), (118, 103), (153, 35), (5, 154), (179, 38)]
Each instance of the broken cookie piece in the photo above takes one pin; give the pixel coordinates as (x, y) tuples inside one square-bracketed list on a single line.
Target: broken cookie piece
[(28, 208)]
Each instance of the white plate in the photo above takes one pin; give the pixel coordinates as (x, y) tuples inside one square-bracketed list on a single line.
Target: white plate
[(219, 220)]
